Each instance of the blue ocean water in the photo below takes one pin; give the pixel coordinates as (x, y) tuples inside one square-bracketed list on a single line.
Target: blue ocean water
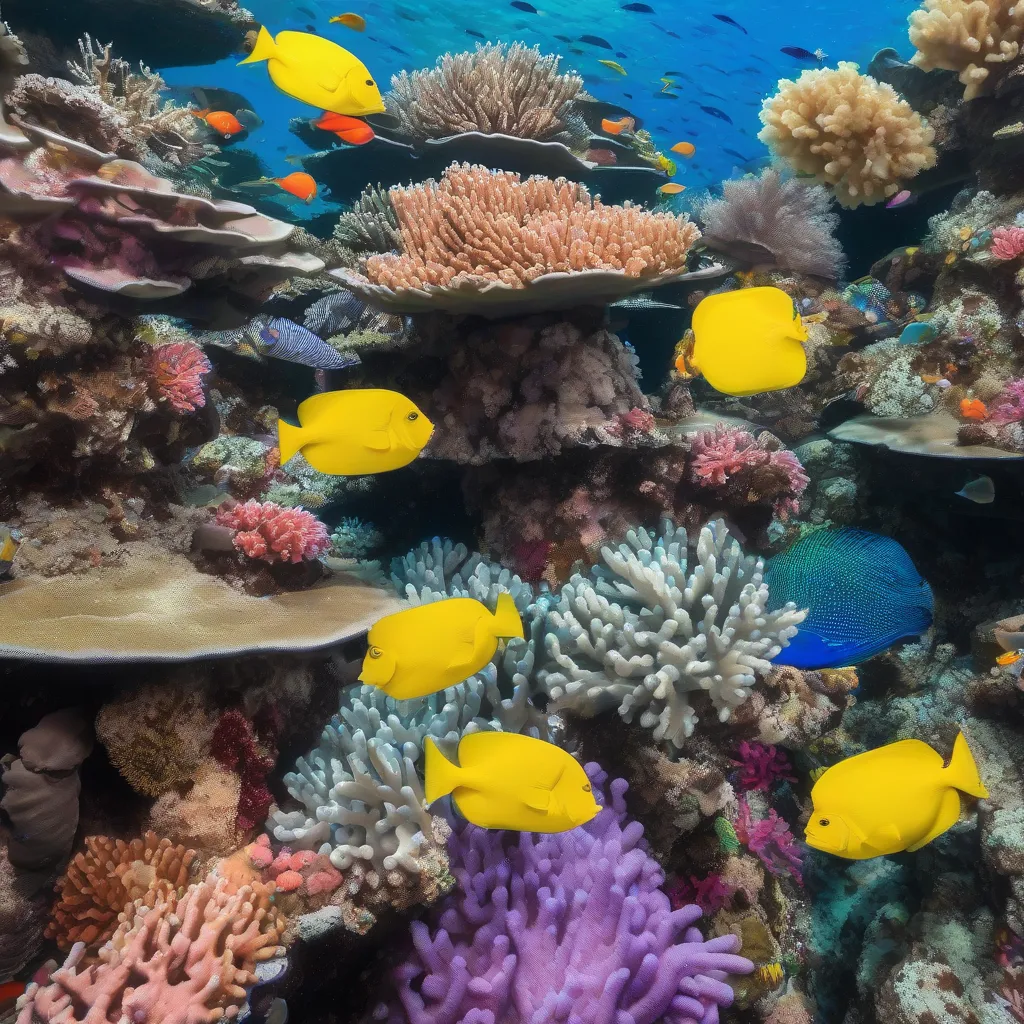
[(714, 64)]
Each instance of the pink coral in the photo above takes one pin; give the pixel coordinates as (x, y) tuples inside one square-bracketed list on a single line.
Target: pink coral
[(751, 470), (711, 894), (275, 534), (761, 766), (771, 839), (629, 424), (177, 372), (1008, 405), (1007, 243)]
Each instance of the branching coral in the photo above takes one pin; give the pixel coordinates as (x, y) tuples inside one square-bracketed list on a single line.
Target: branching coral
[(1007, 242), (771, 839), (775, 221), (848, 131), (266, 531), (180, 961), (971, 37), (731, 461), (177, 373), (371, 226), (651, 632), (511, 90), (478, 225), (572, 926), (761, 766), (106, 878)]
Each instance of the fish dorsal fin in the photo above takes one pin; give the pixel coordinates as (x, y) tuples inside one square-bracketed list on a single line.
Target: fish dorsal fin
[(378, 440), (949, 813)]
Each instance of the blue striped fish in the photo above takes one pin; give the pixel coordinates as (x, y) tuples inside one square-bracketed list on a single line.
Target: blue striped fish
[(284, 339)]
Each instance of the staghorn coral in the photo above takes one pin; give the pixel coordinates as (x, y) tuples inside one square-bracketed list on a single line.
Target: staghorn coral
[(572, 924), (177, 373), (971, 37), (848, 131), (497, 89), (533, 227), (266, 531), (761, 766), (651, 632), (775, 221), (179, 961), (106, 878)]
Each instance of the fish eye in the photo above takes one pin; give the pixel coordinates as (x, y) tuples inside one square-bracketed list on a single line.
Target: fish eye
[(823, 821), (413, 416), (586, 788), (375, 652), (369, 81)]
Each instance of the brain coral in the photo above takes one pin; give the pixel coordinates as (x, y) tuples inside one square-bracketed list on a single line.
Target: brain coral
[(848, 131)]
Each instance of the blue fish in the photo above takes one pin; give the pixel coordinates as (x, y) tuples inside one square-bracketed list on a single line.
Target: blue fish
[(596, 41), (863, 591), (799, 53), (715, 112), (917, 333), (283, 339), (729, 21)]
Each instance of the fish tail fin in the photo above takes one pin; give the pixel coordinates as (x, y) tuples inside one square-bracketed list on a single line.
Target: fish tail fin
[(290, 439), (507, 622), (440, 775), (264, 49), (962, 772)]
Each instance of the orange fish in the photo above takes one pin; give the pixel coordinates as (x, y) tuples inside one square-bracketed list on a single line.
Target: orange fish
[(686, 148), (350, 20), (973, 409), (1010, 658), (299, 184), (221, 122), (672, 188), (11, 990), (931, 378), (624, 124), (348, 129)]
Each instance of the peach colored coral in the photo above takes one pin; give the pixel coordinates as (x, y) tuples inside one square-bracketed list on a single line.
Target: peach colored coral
[(971, 38), (848, 131), (486, 225), (109, 875)]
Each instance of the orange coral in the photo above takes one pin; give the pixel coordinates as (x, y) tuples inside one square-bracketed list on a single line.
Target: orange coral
[(973, 409), (106, 877)]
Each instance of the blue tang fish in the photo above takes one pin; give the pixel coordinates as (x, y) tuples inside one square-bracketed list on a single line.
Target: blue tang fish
[(863, 592), (284, 339)]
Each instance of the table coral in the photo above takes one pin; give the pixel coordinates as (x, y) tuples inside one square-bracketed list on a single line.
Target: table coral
[(848, 131), (265, 530), (572, 925)]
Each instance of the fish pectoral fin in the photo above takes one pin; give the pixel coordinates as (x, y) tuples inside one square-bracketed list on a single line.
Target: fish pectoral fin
[(537, 799), (327, 80), (949, 814), (884, 839), (378, 441)]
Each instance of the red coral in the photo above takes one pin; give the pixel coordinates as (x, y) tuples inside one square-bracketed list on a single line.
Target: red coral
[(711, 894), (235, 747), (630, 424), (772, 841), (1007, 243), (748, 469), (275, 534), (177, 372), (761, 766)]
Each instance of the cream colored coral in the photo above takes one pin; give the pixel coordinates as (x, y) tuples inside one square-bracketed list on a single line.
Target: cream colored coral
[(848, 131), (967, 37)]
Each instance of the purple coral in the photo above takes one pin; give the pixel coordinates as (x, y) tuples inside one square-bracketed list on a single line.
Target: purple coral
[(732, 461), (772, 841), (1008, 405), (761, 766), (568, 927)]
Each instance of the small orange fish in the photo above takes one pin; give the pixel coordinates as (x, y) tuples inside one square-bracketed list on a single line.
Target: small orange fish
[(685, 148), (973, 409), (624, 124), (1010, 658), (348, 129), (221, 122), (11, 990), (350, 20), (299, 184), (931, 378), (672, 188)]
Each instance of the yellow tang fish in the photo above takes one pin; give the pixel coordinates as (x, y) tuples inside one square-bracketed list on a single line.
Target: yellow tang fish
[(748, 341), (318, 72), (505, 780), (357, 432), (895, 798), (424, 649)]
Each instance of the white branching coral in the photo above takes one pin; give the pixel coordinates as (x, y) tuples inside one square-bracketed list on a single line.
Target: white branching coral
[(651, 631), (970, 37)]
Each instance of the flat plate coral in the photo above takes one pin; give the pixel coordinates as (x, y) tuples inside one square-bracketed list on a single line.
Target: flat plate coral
[(160, 608), (934, 434)]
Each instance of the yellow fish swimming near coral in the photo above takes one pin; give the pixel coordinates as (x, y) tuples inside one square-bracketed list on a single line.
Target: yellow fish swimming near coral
[(895, 798), (505, 780), (424, 649), (748, 341), (318, 72), (356, 433)]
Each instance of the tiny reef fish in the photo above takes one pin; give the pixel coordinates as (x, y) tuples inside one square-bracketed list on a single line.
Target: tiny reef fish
[(981, 490), (624, 124), (894, 798), (671, 188), (350, 20), (715, 112), (596, 41), (284, 339), (799, 53), (318, 72), (614, 65), (349, 129), (638, 8), (684, 148), (522, 5), (221, 121), (420, 650), (729, 21), (506, 780), (356, 432)]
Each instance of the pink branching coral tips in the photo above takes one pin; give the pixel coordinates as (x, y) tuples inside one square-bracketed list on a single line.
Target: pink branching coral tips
[(761, 766), (271, 533), (1007, 242), (177, 371)]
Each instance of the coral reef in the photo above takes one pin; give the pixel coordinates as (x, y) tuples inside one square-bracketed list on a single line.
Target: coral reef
[(848, 131), (266, 531), (511, 90)]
